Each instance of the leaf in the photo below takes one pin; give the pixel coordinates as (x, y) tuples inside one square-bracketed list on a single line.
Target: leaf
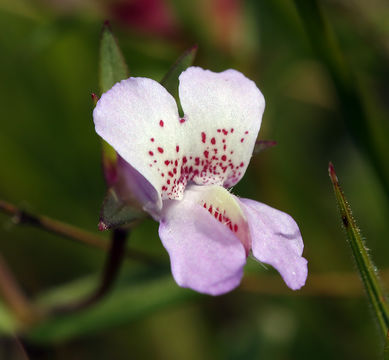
[(113, 67), (170, 80), (116, 211), (133, 299), (365, 266), (386, 348), (8, 322), (261, 145)]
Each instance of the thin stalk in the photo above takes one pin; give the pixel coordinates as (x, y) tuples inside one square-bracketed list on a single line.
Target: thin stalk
[(68, 231), (14, 296), (365, 266), (110, 273), (386, 348)]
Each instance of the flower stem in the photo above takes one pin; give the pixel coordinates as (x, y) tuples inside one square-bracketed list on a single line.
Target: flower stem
[(111, 270), (14, 296), (68, 231)]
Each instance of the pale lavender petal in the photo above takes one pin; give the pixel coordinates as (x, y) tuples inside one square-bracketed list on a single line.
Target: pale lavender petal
[(223, 113), (205, 255), (132, 185), (276, 240)]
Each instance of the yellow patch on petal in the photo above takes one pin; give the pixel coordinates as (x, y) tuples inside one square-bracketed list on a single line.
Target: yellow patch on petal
[(225, 208)]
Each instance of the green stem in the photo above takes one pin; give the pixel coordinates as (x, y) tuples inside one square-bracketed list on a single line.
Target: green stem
[(13, 295), (71, 232), (365, 265), (111, 271)]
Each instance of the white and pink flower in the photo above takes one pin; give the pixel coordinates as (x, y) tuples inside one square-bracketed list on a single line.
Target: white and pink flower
[(181, 167)]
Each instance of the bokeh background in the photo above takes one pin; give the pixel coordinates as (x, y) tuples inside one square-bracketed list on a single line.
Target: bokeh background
[(50, 164)]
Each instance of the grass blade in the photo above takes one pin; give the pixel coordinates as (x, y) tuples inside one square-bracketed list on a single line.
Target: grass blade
[(351, 103), (364, 264), (386, 348), (132, 299)]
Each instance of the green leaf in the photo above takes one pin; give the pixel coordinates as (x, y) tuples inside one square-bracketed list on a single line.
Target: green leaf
[(129, 301), (170, 80), (365, 266), (8, 322), (113, 67), (116, 211)]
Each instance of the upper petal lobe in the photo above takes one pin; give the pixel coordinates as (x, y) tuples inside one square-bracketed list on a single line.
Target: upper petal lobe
[(139, 118), (223, 113)]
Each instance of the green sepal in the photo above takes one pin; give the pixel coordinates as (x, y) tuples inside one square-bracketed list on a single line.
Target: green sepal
[(117, 212), (112, 69), (117, 209), (170, 80)]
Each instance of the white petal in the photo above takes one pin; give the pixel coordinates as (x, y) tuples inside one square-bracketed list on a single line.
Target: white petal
[(211, 145), (139, 118), (223, 113)]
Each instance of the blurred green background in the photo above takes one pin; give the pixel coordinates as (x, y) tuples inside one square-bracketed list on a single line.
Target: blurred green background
[(51, 165)]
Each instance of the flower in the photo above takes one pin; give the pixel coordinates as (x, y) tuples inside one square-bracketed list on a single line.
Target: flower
[(181, 167)]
